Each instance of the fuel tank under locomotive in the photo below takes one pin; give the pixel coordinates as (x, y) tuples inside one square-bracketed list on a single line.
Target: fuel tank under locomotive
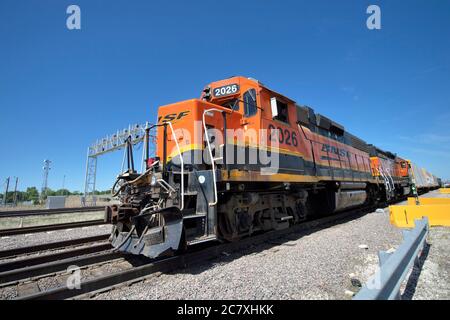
[(342, 196)]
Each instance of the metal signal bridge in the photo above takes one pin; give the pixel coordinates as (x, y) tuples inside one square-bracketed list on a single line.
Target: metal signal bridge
[(114, 142)]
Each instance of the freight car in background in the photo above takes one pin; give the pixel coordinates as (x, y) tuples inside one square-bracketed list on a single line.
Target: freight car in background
[(213, 178), (425, 181)]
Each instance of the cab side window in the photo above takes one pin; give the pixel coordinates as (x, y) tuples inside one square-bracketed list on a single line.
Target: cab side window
[(282, 111), (250, 107)]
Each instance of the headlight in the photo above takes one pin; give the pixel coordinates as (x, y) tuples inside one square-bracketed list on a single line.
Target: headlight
[(153, 181)]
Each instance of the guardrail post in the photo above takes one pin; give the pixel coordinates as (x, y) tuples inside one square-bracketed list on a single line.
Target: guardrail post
[(383, 256)]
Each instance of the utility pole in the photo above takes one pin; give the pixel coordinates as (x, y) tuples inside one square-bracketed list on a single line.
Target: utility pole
[(64, 182), (6, 191), (46, 169), (15, 192)]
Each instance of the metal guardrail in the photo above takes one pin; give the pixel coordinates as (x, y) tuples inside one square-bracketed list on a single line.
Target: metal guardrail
[(385, 283)]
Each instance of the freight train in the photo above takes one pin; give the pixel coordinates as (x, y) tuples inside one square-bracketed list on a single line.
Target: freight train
[(243, 159)]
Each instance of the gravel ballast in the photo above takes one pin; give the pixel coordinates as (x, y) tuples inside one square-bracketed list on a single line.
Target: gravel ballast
[(24, 240), (327, 263), (330, 263)]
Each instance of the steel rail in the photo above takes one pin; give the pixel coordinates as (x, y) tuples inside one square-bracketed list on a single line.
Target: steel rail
[(49, 246), (50, 227), (46, 212), (12, 277), (41, 259), (182, 261)]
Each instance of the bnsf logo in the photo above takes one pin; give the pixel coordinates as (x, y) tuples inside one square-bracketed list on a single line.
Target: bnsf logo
[(172, 116), (331, 149)]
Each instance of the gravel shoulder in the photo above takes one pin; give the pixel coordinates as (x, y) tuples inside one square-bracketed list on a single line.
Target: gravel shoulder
[(318, 265), (432, 281), (325, 263)]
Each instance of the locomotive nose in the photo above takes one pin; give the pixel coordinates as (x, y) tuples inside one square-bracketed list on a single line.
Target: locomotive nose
[(152, 233)]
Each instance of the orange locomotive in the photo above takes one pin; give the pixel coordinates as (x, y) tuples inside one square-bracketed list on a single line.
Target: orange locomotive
[(392, 170), (243, 158)]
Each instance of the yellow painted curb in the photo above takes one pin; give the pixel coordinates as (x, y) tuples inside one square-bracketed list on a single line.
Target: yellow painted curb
[(412, 201), (404, 216)]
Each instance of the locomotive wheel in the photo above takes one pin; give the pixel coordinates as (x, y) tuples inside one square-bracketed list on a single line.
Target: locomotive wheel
[(225, 229)]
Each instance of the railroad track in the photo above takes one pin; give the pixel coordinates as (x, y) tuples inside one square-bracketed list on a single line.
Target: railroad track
[(27, 272), (15, 265), (11, 253), (139, 273), (90, 251), (50, 227), (45, 212), (55, 263)]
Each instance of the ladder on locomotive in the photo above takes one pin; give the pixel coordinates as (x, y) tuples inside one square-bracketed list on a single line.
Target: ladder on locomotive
[(388, 181), (207, 236), (210, 152)]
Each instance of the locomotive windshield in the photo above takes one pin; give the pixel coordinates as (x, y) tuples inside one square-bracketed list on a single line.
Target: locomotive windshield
[(248, 100), (232, 104)]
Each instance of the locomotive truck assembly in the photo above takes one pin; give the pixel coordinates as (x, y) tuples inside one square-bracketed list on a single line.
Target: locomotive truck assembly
[(243, 159)]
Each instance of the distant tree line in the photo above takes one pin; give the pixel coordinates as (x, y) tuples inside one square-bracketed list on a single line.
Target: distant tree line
[(31, 194)]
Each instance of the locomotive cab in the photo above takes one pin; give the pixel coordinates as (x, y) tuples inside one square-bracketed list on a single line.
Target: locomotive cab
[(173, 203)]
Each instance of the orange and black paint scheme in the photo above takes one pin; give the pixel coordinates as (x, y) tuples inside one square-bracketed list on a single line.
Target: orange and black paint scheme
[(304, 164), (393, 170), (308, 152)]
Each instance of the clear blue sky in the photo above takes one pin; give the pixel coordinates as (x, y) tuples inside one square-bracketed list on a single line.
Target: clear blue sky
[(60, 90)]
